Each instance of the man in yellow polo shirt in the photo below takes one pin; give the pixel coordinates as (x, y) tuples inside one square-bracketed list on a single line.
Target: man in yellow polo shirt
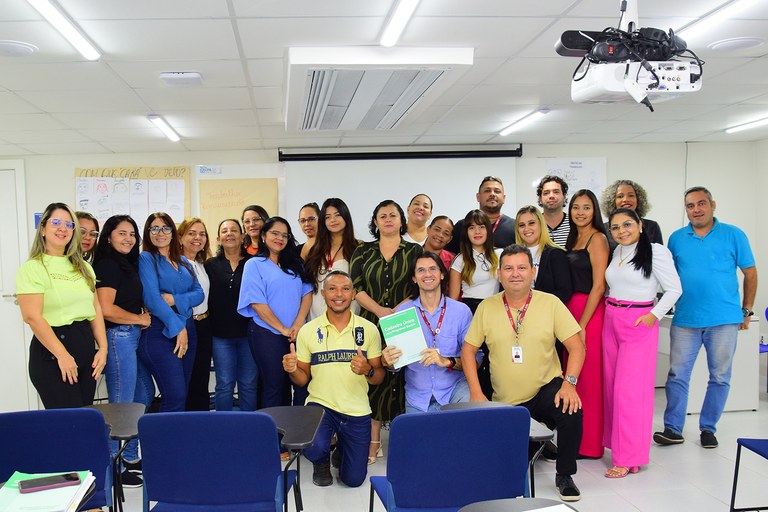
[(341, 352), (520, 326)]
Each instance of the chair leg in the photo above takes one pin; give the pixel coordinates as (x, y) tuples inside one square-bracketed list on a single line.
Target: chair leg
[(735, 477), (370, 506)]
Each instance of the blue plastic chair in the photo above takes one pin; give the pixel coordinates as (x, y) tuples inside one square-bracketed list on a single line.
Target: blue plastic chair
[(760, 447), (212, 461), (442, 462), (58, 440)]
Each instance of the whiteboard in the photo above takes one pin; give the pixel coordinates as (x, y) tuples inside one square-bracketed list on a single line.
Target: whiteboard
[(362, 184)]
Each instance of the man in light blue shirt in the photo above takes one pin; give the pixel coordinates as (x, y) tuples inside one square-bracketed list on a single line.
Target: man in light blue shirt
[(437, 378), (707, 253)]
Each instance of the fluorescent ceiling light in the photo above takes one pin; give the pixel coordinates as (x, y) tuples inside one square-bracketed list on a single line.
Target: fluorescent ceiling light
[(397, 21), (66, 27), (164, 127), (720, 14), (747, 126), (524, 121)]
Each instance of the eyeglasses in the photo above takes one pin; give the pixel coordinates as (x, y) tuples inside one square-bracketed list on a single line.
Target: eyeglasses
[(253, 220), (308, 219), (156, 230), (423, 270), (484, 262), (57, 223), (90, 234), (627, 224), (278, 234)]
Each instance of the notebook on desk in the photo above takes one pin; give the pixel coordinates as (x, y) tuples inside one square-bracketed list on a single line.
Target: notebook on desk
[(62, 499)]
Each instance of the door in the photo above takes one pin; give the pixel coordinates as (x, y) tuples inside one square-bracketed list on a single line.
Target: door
[(16, 392)]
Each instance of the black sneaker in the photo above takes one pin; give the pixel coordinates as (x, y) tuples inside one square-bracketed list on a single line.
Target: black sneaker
[(667, 437), (549, 453), (132, 466), (708, 439), (131, 479), (566, 488), (321, 475)]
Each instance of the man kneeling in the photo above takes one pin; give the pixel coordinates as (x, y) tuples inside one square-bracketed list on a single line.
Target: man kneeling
[(341, 352)]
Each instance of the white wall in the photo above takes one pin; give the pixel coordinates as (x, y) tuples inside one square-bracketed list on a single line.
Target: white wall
[(736, 173)]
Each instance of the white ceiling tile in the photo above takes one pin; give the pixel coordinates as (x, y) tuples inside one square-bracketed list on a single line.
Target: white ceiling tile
[(186, 98), (21, 122), (268, 97), (42, 136), (150, 133), (65, 149), (367, 140), (267, 116), (229, 132), (84, 101), (150, 146), (310, 8), (211, 118), (144, 9), (25, 76), (266, 72), (10, 103), (324, 142), (430, 140), (101, 120), (223, 144), (11, 150), (500, 8)]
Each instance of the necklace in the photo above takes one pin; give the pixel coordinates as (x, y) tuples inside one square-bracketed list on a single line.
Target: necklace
[(621, 260)]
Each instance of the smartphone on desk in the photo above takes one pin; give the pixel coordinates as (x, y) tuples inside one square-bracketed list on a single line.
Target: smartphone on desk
[(48, 482)]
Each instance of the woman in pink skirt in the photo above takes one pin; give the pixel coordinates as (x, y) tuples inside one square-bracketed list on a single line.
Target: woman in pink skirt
[(630, 339)]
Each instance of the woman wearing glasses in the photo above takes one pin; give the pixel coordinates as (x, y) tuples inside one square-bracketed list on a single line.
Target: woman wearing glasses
[(631, 338), (309, 215), (89, 234), (381, 272), (335, 243), (120, 295), (473, 271), (196, 247), (56, 293), (170, 291), (253, 219), (276, 295)]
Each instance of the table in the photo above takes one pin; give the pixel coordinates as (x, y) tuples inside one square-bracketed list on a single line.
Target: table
[(298, 425), (123, 422), (539, 433), (514, 505)]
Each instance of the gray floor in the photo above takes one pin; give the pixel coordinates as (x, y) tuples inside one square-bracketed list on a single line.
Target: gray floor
[(682, 477)]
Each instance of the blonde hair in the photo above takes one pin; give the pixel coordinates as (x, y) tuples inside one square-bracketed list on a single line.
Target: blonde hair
[(205, 254), (544, 238), (72, 251)]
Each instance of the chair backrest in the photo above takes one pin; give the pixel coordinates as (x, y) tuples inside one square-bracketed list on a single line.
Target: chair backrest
[(453, 458), (57, 440), (210, 458)]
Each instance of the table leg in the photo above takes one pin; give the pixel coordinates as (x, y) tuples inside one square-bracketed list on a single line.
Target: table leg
[(530, 468)]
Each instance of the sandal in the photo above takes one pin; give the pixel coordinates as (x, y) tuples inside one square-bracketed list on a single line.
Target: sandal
[(372, 458), (621, 471)]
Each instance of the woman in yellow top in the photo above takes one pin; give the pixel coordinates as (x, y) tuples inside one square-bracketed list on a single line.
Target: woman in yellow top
[(56, 294)]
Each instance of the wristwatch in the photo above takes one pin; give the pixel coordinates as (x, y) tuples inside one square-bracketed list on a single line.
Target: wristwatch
[(573, 380), (746, 312), (372, 372)]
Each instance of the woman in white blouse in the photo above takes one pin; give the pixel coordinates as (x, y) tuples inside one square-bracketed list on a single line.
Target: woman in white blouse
[(630, 339), (196, 247), (419, 211)]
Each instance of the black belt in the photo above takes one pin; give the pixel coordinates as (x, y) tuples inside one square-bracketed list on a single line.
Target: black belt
[(630, 306)]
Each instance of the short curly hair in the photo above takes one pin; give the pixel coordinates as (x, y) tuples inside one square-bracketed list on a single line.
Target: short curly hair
[(608, 197), (557, 179)]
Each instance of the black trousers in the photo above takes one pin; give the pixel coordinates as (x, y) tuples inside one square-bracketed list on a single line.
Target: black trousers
[(568, 426), (45, 374), (198, 396)]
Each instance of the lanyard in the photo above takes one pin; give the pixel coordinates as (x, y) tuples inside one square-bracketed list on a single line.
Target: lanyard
[(520, 316), (439, 322), (495, 224)]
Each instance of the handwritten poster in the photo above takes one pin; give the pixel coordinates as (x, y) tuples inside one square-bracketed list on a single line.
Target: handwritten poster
[(579, 173), (225, 199)]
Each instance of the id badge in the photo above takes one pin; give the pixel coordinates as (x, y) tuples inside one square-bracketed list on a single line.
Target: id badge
[(517, 354)]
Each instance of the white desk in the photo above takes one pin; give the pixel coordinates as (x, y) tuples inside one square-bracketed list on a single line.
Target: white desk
[(745, 387)]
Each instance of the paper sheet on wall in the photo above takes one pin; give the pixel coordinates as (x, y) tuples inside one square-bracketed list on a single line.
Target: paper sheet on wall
[(139, 198), (157, 195), (579, 173), (175, 199)]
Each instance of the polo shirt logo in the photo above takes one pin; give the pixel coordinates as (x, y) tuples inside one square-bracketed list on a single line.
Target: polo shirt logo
[(333, 356)]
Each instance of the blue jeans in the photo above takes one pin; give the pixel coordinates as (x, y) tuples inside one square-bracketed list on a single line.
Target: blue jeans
[(171, 373), (127, 379), (720, 344), (234, 363), (460, 393), (268, 350), (354, 436)]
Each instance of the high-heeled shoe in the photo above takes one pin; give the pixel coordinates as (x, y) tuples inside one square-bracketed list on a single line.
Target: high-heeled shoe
[(379, 453), (621, 471)]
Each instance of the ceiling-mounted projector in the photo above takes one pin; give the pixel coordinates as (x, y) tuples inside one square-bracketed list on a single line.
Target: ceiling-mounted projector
[(624, 64)]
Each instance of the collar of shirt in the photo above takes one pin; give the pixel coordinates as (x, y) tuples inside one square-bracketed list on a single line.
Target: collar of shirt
[(689, 229), (328, 325)]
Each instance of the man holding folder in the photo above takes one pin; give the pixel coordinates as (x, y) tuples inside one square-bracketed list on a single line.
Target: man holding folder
[(436, 378), (341, 352)]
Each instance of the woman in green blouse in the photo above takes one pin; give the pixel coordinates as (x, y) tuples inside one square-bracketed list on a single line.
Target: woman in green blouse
[(380, 271)]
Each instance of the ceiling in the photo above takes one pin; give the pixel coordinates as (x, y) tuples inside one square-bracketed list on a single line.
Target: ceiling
[(55, 102)]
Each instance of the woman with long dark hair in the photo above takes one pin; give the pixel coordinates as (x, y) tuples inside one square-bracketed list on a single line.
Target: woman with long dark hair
[(587, 250), (55, 288), (170, 291), (276, 295), (253, 219), (631, 338), (232, 356), (474, 270), (381, 272), (309, 219), (119, 289), (333, 248), (196, 247)]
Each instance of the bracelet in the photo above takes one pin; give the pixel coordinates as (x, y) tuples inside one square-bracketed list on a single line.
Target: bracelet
[(451, 363)]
